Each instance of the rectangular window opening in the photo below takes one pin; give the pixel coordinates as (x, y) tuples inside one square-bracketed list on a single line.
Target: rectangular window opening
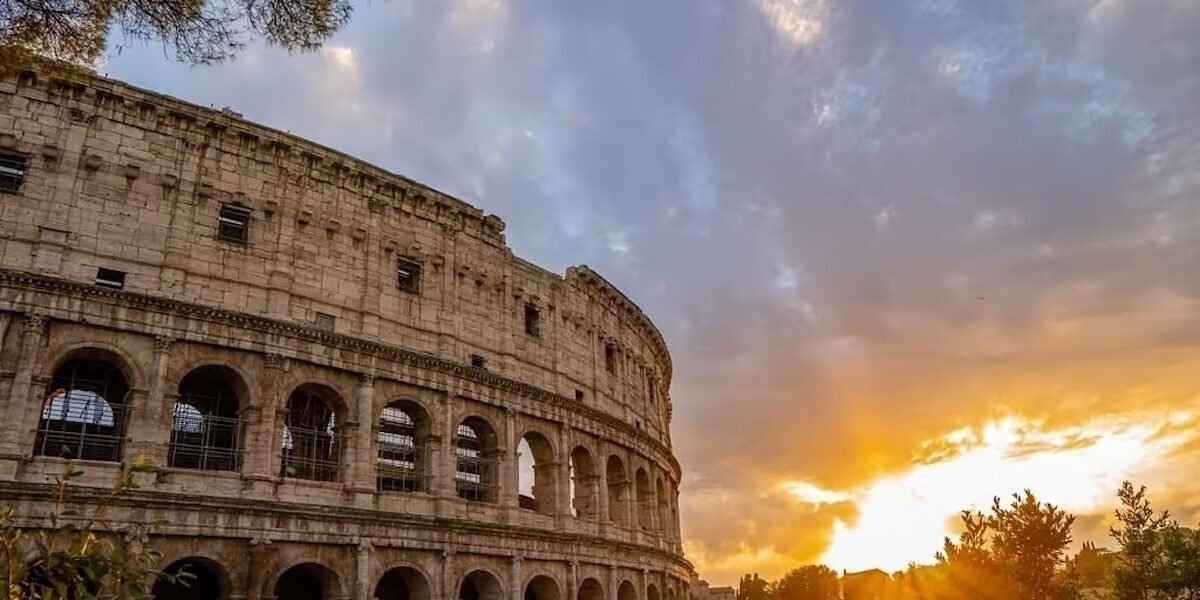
[(579, 395), (233, 223), (478, 361), (532, 315), (408, 275), (110, 278), (12, 172), (610, 358), (325, 321)]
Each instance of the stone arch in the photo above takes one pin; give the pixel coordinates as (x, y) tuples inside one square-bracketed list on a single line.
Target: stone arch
[(645, 500), (618, 490), (480, 584), (206, 425), (542, 587), (207, 579), (307, 581), (477, 460), (403, 582), (537, 473), (627, 591), (85, 410), (585, 482), (95, 348), (311, 445), (652, 592), (591, 589), (402, 436)]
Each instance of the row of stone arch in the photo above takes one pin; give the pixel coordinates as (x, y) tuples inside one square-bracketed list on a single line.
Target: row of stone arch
[(86, 410), (198, 578)]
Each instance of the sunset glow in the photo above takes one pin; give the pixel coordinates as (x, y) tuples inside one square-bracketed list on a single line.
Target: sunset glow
[(904, 517)]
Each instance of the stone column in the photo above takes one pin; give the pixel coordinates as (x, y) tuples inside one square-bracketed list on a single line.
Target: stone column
[(364, 460), (508, 485), (21, 407), (264, 434), (449, 590), (563, 492), (514, 579), (149, 424), (603, 517), (362, 571), (573, 581), (612, 583), (444, 466), (256, 573)]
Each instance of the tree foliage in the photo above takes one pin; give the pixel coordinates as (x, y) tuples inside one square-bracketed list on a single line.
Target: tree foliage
[(753, 587), (74, 556), (1158, 559), (811, 582), (195, 31)]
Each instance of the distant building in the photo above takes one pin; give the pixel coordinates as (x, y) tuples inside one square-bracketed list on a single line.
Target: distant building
[(864, 585), (722, 593)]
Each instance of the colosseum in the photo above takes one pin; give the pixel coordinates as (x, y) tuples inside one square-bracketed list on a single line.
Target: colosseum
[(348, 384)]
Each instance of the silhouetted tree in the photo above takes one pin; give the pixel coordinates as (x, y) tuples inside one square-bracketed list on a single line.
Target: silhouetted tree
[(196, 31), (753, 587), (1158, 560), (812, 582), (1017, 552)]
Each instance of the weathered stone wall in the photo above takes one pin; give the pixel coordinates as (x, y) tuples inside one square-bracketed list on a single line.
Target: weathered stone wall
[(125, 179)]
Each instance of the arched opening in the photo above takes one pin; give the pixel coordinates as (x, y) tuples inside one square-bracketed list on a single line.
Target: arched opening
[(83, 416), (403, 428), (592, 590), (311, 445), (664, 510), (626, 591), (193, 579), (542, 587), (476, 471), (402, 583), (480, 585), (584, 498), (537, 474), (618, 491), (645, 500), (308, 581), (205, 426), (651, 592)]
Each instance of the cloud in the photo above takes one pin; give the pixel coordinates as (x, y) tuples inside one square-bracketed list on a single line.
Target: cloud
[(860, 224)]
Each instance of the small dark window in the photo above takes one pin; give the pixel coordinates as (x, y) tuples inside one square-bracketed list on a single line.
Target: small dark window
[(325, 321), (12, 172), (233, 223), (478, 361), (650, 389), (531, 320), (109, 278), (610, 358), (579, 395), (408, 275)]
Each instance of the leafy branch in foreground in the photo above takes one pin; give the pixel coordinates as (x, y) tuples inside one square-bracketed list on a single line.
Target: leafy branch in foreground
[(196, 31), (75, 556)]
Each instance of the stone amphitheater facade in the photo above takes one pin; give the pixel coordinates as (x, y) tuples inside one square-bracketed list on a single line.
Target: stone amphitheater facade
[(339, 373)]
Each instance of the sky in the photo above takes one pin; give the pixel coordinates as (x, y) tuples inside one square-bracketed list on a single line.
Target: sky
[(908, 255)]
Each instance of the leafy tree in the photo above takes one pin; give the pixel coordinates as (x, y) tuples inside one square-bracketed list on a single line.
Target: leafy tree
[(1016, 552), (74, 558), (196, 31), (812, 582), (753, 587), (1159, 560)]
